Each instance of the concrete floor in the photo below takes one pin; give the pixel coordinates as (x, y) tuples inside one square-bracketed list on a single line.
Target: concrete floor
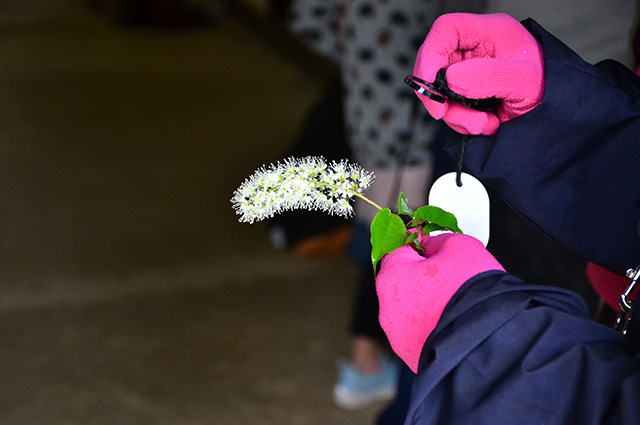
[(130, 293)]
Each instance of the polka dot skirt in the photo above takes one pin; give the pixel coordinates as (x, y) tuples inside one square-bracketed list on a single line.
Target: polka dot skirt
[(375, 42)]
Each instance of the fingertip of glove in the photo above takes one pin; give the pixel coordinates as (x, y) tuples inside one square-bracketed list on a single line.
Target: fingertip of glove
[(465, 120), (435, 109), (455, 241), (490, 128), (401, 256)]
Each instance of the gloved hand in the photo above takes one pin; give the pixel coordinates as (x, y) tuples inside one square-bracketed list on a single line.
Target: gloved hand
[(414, 288), (485, 56)]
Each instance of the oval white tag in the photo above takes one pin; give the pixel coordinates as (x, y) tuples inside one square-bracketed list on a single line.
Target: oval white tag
[(469, 203)]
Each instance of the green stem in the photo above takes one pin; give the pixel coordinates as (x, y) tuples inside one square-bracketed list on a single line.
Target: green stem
[(364, 198)]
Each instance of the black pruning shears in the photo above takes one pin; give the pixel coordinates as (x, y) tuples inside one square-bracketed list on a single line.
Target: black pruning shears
[(443, 92)]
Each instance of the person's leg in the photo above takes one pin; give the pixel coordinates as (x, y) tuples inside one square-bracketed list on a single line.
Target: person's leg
[(368, 340), (370, 374), (386, 132)]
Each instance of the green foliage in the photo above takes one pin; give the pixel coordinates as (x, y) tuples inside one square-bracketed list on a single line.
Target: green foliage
[(434, 215), (403, 205), (389, 232)]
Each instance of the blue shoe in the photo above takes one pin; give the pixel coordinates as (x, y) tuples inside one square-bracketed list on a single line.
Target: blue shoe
[(355, 389)]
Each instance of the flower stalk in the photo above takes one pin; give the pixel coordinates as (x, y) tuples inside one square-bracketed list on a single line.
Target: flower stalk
[(312, 183)]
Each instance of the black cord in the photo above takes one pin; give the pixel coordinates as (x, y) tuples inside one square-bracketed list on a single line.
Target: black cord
[(460, 160)]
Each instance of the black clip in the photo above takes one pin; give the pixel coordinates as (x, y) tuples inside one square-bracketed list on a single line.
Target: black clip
[(415, 83), (443, 92)]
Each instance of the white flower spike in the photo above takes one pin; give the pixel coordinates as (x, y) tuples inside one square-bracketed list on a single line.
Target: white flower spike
[(306, 183)]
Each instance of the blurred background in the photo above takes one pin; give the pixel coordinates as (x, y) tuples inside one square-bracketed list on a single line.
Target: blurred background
[(130, 293)]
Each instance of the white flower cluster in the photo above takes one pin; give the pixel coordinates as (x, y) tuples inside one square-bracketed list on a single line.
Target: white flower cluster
[(307, 183)]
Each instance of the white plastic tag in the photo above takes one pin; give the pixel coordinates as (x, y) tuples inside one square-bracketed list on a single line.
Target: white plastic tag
[(469, 203)]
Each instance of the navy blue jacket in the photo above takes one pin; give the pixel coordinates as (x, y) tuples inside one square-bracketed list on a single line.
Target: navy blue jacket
[(507, 352), (571, 166)]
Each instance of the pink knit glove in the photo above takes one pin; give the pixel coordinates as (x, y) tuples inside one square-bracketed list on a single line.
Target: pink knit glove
[(413, 288), (485, 56)]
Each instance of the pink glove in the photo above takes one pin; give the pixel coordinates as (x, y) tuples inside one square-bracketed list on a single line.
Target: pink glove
[(414, 288), (485, 56)]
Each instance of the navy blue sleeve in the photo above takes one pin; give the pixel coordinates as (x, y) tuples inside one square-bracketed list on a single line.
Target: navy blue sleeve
[(571, 166), (506, 352)]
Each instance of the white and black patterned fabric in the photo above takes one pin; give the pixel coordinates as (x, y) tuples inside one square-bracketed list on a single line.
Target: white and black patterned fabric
[(375, 42)]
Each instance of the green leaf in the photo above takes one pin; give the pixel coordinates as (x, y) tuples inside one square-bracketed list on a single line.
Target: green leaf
[(418, 244), (432, 227), (387, 234), (438, 216), (403, 205), (411, 238)]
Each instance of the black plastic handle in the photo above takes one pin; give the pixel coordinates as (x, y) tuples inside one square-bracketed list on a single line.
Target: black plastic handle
[(443, 91)]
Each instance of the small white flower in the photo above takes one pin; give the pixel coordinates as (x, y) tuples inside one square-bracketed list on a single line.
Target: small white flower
[(307, 183)]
